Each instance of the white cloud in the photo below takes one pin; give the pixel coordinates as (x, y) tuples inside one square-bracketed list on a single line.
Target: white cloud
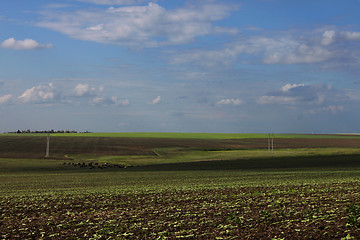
[(84, 90), (27, 44), (317, 46), (291, 51), (49, 94), (6, 99), (96, 27), (275, 50), (276, 99), (140, 26), (231, 101), (156, 100), (288, 86), (81, 89), (120, 102), (328, 37), (97, 96), (332, 36), (299, 94), (97, 100), (310, 49), (109, 101), (38, 94), (354, 36)]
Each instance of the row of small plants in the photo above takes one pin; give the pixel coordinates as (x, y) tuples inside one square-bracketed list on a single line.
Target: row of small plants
[(316, 211)]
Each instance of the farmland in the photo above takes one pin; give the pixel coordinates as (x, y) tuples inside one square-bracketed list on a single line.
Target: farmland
[(223, 187)]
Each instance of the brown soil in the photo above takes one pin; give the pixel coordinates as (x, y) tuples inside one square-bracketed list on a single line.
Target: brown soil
[(326, 211), (34, 147)]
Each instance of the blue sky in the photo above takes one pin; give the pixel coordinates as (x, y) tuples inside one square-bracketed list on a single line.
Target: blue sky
[(180, 66)]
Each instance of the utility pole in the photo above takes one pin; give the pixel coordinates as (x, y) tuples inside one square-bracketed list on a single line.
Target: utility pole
[(47, 145), (271, 142)]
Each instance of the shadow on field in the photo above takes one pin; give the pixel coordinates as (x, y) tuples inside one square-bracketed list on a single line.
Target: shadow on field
[(308, 162), (323, 162)]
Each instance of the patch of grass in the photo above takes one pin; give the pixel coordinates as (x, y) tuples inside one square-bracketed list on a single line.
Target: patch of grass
[(34, 176), (248, 157), (353, 218)]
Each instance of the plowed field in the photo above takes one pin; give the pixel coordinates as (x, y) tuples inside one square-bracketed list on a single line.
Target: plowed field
[(179, 188), (326, 211), (34, 147)]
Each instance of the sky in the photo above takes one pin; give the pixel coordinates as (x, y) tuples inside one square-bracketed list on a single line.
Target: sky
[(237, 66)]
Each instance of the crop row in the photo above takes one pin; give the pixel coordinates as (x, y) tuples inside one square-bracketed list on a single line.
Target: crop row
[(323, 211)]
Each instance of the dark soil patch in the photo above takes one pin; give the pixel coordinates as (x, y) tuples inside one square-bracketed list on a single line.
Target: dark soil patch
[(324, 211)]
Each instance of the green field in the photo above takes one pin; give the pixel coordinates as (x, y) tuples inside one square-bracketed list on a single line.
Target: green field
[(190, 188)]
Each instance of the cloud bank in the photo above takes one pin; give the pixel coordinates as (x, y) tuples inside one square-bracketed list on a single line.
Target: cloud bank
[(140, 26), (311, 47), (50, 94)]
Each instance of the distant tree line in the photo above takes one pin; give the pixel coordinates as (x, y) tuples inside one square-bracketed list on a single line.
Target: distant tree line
[(48, 131)]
